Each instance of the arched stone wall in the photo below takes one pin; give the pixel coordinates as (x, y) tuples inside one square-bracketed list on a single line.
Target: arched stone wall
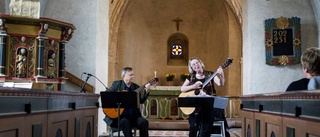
[(117, 9), (217, 45)]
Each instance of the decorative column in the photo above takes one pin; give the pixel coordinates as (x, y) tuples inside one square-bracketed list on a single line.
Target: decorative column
[(65, 37), (40, 41), (62, 72), (3, 44), (41, 38)]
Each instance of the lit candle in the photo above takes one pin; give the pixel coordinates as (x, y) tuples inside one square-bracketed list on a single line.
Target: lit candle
[(155, 74)]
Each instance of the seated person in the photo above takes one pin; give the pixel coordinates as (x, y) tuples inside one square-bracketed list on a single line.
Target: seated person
[(310, 61), (130, 117)]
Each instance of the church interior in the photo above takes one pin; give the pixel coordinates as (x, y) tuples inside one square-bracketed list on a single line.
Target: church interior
[(57, 56)]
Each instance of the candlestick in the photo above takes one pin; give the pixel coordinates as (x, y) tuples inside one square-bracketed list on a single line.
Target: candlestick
[(155, 74)]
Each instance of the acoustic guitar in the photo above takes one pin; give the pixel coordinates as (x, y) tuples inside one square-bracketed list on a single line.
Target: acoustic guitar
[(113, 112), (189, 110)]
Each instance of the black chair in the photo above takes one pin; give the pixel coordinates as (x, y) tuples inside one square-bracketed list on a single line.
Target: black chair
[(220, 125), (112, 130)]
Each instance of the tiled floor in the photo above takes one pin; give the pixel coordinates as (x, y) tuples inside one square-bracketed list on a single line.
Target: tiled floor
[(234, 132)]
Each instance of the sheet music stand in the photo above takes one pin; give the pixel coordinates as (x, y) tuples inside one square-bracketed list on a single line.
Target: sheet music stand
[(220, 102), (196, 101), (120, 100), (203, 101)]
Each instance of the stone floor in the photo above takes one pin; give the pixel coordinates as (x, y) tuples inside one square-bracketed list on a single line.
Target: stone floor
[(164, 128), (234, 132)]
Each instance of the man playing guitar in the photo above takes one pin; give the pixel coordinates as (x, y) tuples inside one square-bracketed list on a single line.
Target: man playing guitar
[(130, 117)]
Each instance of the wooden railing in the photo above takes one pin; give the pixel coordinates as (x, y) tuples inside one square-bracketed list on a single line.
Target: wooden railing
[(283, 114), (79, 82), (46, 113)]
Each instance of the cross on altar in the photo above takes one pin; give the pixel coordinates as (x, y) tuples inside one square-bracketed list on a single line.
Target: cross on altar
[(177, 20)]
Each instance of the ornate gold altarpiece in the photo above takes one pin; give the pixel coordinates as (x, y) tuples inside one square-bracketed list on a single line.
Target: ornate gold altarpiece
[(39, 38)]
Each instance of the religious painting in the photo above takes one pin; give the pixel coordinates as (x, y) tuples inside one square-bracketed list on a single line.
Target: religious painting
[(283, 41)]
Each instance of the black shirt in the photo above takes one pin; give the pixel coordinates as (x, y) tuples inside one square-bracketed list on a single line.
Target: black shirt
[(209, 88), (301, 84)]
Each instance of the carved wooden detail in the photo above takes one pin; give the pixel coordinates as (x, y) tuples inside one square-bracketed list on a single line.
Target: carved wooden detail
[(34, 51)]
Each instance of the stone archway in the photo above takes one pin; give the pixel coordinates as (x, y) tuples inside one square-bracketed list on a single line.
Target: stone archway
[(119, 10)]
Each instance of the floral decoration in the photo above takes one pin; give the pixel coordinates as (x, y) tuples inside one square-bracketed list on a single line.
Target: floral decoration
[(170, 76), (184, 76)]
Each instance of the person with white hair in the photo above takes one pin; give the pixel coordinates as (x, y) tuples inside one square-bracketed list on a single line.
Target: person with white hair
[(130, 117)]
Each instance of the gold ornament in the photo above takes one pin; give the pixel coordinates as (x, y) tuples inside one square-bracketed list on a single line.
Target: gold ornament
[(283, 60), (269, 43), (296, 42), (282, 22)]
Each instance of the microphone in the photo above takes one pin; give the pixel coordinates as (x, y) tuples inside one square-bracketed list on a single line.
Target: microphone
[(85, 82), (89, 75)]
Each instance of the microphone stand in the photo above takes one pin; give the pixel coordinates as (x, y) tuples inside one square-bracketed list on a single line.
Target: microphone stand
[(100, 82), (84, 84), (86, 81)]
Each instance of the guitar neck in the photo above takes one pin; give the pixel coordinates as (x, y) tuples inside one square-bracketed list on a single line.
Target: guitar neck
[(209, 79), (140, 88), (152, 81), (226, 64)]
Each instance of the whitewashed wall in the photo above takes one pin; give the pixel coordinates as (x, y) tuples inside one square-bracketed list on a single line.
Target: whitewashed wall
[(87, 51), (102, 54), (316, 9), (258, 77), (80, 50)]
